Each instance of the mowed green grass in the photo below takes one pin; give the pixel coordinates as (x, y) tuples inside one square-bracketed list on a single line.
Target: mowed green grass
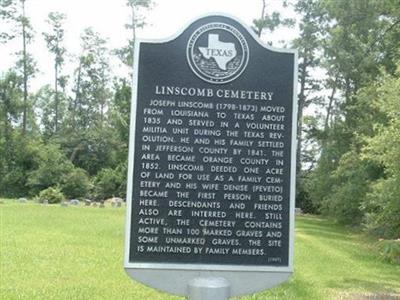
[(53, 252)]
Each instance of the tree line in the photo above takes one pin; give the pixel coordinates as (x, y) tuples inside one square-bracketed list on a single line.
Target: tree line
[(348, 151), (72, 134)]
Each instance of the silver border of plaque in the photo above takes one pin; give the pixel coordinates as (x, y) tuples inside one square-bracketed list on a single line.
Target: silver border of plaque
[(174, 278)]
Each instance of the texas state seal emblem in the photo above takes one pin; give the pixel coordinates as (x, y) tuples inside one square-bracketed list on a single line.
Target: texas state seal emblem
[(217, 53)]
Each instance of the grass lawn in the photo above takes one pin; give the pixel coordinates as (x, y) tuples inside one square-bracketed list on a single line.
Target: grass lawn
[(53, 252)]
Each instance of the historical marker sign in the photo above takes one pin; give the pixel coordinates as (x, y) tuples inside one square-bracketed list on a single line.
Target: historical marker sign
[(212, 159)]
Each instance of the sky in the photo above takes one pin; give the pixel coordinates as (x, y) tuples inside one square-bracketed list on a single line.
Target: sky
[(108, 17)]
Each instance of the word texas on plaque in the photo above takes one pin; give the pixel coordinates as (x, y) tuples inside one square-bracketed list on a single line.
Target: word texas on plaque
[(211, 178)]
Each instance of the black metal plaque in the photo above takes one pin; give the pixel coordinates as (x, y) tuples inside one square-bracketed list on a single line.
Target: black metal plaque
[(213, 153)]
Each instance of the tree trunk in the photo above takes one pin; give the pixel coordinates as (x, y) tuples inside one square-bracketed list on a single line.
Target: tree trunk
[(260, 28), (7, 122), (300, 108), (56, 97), (77, 94), (25, 69), (329, 108), (133, 31)]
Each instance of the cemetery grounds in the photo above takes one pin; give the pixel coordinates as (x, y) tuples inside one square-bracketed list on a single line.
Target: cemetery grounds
[(54, 252)]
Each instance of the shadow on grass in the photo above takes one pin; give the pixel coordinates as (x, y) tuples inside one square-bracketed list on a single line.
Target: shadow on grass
[(315, 231), (320, 225), (327, 231), (368, 285), (334, 234), (357, 264)]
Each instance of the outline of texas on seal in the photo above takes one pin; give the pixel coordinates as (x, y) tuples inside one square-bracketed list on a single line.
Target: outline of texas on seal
[(217, 52)]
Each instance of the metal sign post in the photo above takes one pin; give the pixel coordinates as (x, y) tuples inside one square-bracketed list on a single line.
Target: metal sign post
[(209, 288), (211, 176)]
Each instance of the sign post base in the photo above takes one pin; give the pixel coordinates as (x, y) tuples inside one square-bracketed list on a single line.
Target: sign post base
[(205, 288)]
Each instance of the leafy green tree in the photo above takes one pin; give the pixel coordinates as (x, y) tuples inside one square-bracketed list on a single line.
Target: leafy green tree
[(51, 165), (46, 109), (120, 112), (10, 106), (350, 184), (17, 152), (359, 42), (26, 61), (49, 138), (89, 140), (382, 205), (14, 15), (93, 149), (54, 41), (23, 160), (76, 184), (110, 182), (137, 21), (308, 45), (270, 21), (7, 15), (92, 90)]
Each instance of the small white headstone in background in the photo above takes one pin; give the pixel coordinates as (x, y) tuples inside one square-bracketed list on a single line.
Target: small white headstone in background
[(116, 202), (298, 211), (74, 202)]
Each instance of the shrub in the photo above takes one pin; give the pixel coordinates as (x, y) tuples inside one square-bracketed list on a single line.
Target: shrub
[(51, 166), (390, 250), (110, 182), (382, 207), (76, 184), (52, 195), (16, 165), (303, 199), (348, 191)]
